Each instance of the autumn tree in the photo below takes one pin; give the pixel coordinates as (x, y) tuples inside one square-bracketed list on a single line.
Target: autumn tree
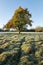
[(20, 18)]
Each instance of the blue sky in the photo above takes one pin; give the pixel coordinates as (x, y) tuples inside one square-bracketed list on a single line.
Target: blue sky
[(8, 7)]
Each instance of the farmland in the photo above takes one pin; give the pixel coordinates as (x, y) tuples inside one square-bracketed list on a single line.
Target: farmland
[(21, 49)]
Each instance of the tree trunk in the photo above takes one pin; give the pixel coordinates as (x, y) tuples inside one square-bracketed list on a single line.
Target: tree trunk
[(19, 29)]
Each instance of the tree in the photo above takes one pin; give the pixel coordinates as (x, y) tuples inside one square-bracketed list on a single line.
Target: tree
[(39, 29), (20, 18)]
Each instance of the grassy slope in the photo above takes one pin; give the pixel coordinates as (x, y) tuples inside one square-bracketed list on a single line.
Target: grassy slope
[(21, 49)]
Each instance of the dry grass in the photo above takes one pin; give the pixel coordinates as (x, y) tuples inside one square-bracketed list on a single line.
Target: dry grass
[(41, 62), (21, 49), (37, 38), (4, 45), (26, 48), (2, 56), (24, 59), (37, 54), (28, 38)]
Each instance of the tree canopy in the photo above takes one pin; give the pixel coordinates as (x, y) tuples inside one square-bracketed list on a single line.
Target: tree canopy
[(20, 18)]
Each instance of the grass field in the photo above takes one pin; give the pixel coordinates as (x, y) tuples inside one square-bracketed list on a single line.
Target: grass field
[(21, 49)]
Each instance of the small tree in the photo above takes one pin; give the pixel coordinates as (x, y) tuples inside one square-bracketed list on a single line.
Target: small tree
[(20, 18)]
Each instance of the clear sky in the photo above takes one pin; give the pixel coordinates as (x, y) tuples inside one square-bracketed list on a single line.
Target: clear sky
[(8, 7)]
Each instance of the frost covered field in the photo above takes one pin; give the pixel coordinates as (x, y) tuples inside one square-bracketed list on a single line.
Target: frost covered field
[(21, 49)]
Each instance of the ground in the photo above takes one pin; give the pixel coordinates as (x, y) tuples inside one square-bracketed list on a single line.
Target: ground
[(21, 49)]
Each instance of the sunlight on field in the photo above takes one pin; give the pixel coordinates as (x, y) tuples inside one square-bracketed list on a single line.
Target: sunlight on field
[(21, 49)]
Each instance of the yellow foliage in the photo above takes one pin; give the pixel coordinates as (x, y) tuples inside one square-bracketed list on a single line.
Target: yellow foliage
[(19, 19)]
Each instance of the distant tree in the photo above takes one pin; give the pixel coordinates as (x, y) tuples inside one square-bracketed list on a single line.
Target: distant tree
[(39, 29), (20, 18)]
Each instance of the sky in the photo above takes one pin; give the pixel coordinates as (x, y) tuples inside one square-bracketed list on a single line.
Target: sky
[(8, 7)]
